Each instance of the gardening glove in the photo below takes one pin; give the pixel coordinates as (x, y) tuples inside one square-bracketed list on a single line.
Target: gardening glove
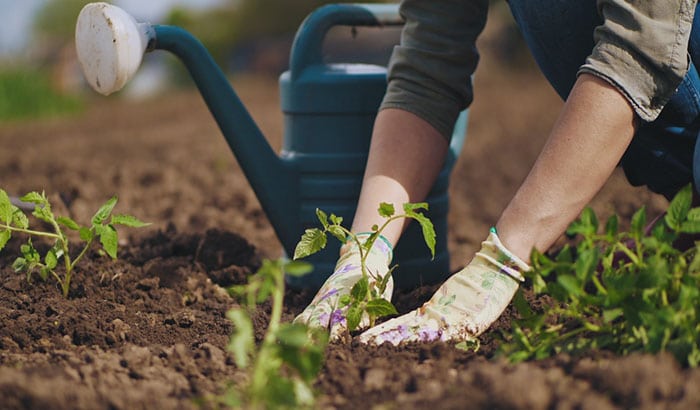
[(464, 306), (324, 311)]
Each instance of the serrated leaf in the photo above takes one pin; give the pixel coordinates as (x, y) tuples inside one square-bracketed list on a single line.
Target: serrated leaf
[(611, 227), (19, 219), (322, 217), (694, 214), (128, 220), (353, 317), (386, 210), (312, 241), (298, 268), (336, 220), (428, 231), (380, 308), (679, 207), (690, 227), (34, 198), (43, 212), (242, 341), (360, 289), (337, 232), (109, 240), (68, 223), (5, 208), (4, 237), (105, 210)]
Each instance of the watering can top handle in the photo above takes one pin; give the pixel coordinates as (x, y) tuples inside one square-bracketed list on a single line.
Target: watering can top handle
[(308, 42)]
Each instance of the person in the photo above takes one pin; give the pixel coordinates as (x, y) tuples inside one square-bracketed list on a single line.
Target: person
[(625, 69)]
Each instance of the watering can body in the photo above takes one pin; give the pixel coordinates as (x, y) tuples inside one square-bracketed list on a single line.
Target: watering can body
[(329, 112)]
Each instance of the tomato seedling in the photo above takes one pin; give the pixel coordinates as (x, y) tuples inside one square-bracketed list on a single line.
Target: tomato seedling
[(102, 226), (365, 295), (281, 371)]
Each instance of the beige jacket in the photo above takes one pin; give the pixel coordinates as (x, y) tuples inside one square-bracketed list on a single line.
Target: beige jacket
[(641, 49)]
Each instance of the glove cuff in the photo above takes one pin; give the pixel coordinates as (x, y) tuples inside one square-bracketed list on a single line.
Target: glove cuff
[(381, 248), (496, 253)]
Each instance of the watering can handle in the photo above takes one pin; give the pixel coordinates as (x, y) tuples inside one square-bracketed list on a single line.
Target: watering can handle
[(308, 42)]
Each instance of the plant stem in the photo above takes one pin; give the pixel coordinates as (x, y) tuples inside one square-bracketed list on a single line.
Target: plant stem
[(29, 231)]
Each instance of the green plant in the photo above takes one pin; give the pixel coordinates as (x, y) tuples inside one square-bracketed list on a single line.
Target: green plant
[(281, 371), (102, 226), (365, 295), (618, 291)]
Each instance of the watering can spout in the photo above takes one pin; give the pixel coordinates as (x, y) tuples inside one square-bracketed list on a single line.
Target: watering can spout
[(111, 44)]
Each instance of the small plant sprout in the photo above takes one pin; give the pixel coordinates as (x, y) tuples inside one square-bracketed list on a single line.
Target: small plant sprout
[(365, 295), (102, 226), (617, 291), (282, 369)]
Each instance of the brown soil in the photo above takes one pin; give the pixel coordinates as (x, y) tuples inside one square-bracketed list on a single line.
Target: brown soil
[(149, 330)]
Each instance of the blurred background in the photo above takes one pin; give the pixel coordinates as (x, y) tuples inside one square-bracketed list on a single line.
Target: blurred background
[(40, 76)]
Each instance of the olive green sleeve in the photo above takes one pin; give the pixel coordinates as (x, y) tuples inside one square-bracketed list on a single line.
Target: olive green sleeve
[(642, 49), (430, 71)]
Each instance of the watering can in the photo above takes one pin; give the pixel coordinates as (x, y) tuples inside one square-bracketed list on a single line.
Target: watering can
[(329, 111)]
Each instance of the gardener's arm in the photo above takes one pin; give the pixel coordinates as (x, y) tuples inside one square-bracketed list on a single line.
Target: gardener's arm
[(593, 130)]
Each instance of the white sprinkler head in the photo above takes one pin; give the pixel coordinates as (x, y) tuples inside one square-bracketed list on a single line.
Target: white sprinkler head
[(110, 45)]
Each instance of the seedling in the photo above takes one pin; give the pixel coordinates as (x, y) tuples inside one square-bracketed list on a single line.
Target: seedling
[(365, 295), (618, 291), (102, 226), (290, 356)]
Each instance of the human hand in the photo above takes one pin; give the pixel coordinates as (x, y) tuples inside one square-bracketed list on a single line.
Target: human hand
[(324, 310), (464, 306)]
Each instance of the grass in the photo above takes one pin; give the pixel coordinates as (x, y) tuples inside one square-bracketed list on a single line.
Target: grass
[(26, 93)]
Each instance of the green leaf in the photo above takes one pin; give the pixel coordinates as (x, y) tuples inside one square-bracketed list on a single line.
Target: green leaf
[(128, 220), (571, 284), (637, 225), (294, 335), (694, 214), (34, 198), (105, 210), (68, 223), (611, 314), (679, 207), (336, 220), (380, 308), (109, 240), (386, 210), (19, 219), (50, 259), (298, 268), (337, 232), (322, 217), (413, 207), (690, 227), (242, 341), (586, 224), (5, 208), (43, 212), (611, 227), (4, 237), (312, 241), (86, 234), (19, 265), (353, 317), (428, 231), (360, 289)]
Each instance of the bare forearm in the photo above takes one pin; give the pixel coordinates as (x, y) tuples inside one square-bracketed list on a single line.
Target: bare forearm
[(405, 158), (593, 130)]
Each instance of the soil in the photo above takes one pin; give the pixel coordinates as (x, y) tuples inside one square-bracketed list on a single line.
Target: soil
[(149, 329)]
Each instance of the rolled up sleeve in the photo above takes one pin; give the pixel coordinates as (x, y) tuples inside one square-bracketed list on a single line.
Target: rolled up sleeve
[(430, 71), (642, 49)]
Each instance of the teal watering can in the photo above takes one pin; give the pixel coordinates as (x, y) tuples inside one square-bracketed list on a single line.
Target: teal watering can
[(329, 111)]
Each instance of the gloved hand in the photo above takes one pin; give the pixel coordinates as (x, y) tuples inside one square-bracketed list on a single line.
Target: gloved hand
[(324, 311), (464, 306)]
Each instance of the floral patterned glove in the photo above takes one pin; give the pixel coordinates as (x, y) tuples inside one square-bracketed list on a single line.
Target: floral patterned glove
[(464, 306), (324, 311)]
